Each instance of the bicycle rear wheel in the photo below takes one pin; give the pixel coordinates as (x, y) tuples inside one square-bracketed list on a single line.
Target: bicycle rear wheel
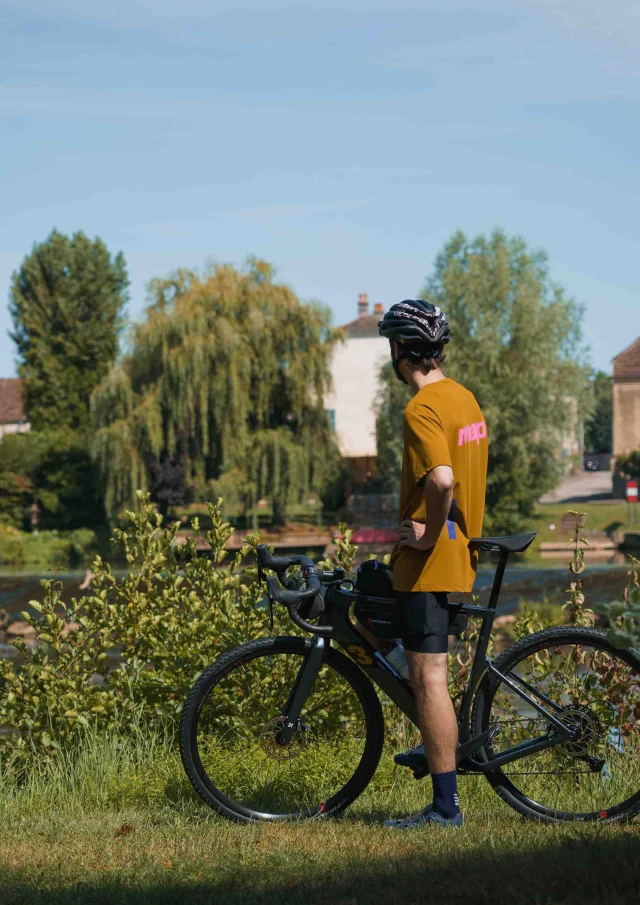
[(595, 688), (231, 722)]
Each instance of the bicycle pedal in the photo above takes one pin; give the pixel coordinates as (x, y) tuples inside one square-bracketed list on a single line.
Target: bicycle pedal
[(420, 772)]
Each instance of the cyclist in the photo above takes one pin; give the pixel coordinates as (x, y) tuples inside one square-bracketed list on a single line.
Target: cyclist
[(442, 497)]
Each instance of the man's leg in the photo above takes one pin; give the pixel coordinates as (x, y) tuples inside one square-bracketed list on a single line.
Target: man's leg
[(438, 726), (425, 621), (439, 729), (436, 717)]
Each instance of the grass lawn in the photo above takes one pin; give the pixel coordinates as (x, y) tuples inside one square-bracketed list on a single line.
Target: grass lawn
[(120, 825), (600, 517)]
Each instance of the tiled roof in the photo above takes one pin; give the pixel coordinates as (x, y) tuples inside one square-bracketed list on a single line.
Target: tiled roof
[(365, 326), (11, 404), (626, 365)]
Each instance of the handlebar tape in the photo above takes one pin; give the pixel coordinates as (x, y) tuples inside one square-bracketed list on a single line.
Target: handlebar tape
[(281, 563), (288, 596), (292, 599)]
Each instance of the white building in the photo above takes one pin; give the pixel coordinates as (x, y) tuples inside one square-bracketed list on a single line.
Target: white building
[(13, 419), (355, 368)]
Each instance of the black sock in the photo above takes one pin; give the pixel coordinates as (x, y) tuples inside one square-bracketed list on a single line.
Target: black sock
[(445, 793)]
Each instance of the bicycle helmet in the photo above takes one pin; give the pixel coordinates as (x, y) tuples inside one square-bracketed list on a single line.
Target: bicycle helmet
[(415, 321)]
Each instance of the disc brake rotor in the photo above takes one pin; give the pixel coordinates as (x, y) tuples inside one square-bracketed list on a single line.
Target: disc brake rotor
[(269, 740)]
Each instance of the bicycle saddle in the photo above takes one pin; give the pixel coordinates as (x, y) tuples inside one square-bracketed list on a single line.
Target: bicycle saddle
[(516, 543)]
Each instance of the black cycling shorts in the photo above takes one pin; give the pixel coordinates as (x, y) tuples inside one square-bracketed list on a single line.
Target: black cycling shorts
[(423, 619)]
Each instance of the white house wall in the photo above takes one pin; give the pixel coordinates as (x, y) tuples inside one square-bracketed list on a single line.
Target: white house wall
[(20, 427), (355, 387)]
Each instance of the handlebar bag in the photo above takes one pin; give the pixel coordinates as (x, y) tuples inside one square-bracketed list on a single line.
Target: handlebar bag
[(311, 609), (378, 615), (374, 579)]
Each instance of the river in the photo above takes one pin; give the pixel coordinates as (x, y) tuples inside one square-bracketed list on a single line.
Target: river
[(523, 581)]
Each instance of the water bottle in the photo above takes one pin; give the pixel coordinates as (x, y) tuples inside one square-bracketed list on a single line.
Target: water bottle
[(396, 659)]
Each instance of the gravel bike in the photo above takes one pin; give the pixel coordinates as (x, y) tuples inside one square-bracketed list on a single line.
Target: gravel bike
[(292, 728)]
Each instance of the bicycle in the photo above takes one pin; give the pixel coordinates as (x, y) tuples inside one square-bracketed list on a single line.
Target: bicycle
[(292, 728)]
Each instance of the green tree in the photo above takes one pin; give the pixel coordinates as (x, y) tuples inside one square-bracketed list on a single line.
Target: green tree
[(225, 379), (66, 302), (516, 344), (17, 462), (393, 396), (15, 496), (54, 468), (598, 429)]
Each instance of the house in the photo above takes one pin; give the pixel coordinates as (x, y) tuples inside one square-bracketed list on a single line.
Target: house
[(626, 400), (355, 368), (350, 405), (13, 419)]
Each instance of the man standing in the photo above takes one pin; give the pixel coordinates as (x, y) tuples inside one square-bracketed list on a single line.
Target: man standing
[(442, 496)]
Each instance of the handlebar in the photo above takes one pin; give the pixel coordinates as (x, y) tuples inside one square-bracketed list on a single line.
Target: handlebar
[(282, 563), (291, 596)]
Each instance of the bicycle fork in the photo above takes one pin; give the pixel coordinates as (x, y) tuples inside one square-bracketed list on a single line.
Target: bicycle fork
[(307, 675)]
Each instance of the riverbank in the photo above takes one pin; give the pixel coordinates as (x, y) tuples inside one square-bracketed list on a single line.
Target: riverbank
[(47, 549), (119, 824)]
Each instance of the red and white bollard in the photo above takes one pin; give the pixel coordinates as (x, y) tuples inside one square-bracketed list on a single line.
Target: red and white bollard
[(632, 502)]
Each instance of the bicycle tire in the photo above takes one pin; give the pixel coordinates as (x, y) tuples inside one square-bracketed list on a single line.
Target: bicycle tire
[(205, 786), (481, 721)]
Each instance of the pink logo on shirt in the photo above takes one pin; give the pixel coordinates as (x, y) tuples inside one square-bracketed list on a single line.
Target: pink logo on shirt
[(471, 432)]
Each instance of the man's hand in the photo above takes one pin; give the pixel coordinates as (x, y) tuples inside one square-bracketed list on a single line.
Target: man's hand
[(412, 534), (438, 493)]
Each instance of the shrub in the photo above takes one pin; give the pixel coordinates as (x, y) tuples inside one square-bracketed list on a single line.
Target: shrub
[(49, 701), (145, 637), (624, 615), (175, 611), (43, 549), (130, 650)]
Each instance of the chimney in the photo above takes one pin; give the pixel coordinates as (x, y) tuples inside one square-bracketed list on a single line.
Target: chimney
[(378, 308), (363, 304)]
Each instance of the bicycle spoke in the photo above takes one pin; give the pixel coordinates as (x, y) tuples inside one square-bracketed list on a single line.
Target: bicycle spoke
[(598, 696), (239, 732)]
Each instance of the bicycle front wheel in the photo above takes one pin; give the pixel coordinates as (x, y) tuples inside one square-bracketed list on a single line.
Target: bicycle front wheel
[(594, 688), (229, 734)]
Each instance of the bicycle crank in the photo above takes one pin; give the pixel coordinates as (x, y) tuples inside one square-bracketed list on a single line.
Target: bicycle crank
[(464, 751)]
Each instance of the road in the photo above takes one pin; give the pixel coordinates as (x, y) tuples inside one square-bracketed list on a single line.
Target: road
[(590, 485)]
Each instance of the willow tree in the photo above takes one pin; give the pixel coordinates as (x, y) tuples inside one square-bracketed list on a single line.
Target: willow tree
[(227, 372)]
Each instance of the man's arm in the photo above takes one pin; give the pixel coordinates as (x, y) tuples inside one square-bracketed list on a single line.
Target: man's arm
[(438, 494)]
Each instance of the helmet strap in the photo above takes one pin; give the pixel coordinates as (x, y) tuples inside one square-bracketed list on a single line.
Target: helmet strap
[(395, 362), (404, 352)]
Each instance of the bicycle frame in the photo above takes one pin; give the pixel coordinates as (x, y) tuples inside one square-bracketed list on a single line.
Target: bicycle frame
[(336, 615)]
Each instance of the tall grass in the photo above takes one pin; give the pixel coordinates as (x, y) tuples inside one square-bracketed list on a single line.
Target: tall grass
[(116, 822)]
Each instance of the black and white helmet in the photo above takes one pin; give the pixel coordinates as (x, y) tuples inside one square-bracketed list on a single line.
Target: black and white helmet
[(415, 321)]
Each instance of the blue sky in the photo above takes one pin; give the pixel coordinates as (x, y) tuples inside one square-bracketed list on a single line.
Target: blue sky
[(343, 142)]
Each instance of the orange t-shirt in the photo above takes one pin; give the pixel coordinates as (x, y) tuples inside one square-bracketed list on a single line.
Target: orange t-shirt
[(443, 425)]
